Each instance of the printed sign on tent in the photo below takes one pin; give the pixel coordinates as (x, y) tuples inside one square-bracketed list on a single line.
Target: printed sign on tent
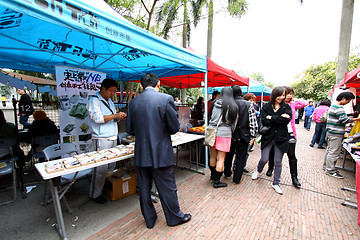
[(74, 88)]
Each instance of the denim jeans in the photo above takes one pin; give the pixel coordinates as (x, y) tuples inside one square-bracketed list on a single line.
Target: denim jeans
[(307, 122), (319, 134), (24, 120)]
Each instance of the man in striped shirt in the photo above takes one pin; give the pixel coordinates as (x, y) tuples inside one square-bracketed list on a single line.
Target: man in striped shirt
[(335, 129)]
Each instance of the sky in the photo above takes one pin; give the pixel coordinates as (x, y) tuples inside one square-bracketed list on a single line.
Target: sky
[(279, 38)]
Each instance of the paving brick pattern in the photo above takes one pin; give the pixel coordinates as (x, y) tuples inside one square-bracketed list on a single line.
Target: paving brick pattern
[(252, 209)]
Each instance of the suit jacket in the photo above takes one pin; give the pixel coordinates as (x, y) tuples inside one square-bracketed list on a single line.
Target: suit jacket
[(152, 118)]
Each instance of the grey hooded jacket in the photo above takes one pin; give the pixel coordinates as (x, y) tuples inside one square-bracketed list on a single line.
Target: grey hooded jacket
[(225, 128)]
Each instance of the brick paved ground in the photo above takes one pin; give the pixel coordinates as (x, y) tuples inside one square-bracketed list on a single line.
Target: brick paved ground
[(252, 210)]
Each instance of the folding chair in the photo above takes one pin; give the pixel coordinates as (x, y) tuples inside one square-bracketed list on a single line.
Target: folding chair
[(64, 182), (40, 142), (8, 164)]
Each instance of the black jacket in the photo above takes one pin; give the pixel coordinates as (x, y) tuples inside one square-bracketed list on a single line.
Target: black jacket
[(278, 126), (242, 130)]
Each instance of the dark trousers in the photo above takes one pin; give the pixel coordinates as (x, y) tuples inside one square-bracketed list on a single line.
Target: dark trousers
[(291, 156), (165, 183), (240, 148), (319, 134)]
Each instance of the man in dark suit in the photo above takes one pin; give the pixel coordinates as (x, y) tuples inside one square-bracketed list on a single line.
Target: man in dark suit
[(152, 118)]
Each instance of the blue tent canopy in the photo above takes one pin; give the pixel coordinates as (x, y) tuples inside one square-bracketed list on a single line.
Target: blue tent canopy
[(255, 87), (88, 34)]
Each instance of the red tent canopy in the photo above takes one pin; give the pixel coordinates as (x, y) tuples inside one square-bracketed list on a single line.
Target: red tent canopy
[(352, 79), (217, 77)]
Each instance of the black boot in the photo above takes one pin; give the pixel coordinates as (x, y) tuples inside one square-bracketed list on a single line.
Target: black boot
[(293, 172), (212, 176), (217, 183), (269, 172)]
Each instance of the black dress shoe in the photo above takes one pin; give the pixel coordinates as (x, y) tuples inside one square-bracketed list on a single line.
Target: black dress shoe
[(245, 170), (100, 199), (185, 219)]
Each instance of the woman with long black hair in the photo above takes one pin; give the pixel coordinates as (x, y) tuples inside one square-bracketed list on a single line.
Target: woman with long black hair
[(276, 115), (225, 112)]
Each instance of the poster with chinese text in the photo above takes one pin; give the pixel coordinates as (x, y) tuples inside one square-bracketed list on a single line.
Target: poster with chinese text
[(74, 88)]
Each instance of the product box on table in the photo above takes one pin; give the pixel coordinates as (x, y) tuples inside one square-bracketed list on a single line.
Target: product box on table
[(119, 184)]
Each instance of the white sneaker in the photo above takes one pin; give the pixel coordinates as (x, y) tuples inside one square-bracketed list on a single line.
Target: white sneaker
[(255, 175), (277, 189)]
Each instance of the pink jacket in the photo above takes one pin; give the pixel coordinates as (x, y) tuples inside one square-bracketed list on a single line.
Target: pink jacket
[(296, 105), (318, 112)]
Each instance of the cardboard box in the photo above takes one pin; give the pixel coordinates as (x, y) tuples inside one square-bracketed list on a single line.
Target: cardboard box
[(119, 184)]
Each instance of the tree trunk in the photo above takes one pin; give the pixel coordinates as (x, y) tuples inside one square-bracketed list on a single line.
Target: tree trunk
[(184, 38), (210, 28), (345, 39)]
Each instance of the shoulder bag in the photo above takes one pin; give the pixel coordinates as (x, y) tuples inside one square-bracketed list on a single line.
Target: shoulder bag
[(262, 128), (210, 135), (324, 117)]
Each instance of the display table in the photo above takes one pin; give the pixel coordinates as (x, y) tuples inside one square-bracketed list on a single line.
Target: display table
[(54, 190), (177, 140), (358, 187), (193, 141), (347, 147)]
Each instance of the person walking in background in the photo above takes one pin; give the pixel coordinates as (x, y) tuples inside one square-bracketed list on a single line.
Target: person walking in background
[(245, 133), (214, 96), (152, 118), (335, 129), (294, 104), (3, 100), (25, 108), (309, 110), (224, 110), (199, 111), (104, 132), (276, 115), (320, 127), (177, 101), (252, 98)]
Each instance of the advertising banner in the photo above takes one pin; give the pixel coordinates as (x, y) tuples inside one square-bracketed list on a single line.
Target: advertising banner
[(74, 88)]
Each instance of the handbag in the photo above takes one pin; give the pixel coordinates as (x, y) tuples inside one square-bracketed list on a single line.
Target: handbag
[(210, 135), (262, 128), (324, 117)]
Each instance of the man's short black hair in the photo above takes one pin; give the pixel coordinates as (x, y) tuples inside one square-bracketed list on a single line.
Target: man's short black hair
[(346, 95), (108, 83), (215, 93), (237, 92), (149, 79)]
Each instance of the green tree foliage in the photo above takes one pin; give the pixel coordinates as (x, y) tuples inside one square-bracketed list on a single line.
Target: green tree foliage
[(5, 90), (316, 81), (260, 78), (237, 8)]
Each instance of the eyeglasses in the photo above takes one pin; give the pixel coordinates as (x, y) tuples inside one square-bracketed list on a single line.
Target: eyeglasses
[(112, 91)]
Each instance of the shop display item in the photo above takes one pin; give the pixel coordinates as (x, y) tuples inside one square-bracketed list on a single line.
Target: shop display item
[(79, 111), (64, 102), (68, 128), (84, 127), (71, 163), (53, 166), (69, 139)]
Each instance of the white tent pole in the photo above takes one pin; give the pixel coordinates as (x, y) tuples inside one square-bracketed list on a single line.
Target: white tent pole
[(206, 117)]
